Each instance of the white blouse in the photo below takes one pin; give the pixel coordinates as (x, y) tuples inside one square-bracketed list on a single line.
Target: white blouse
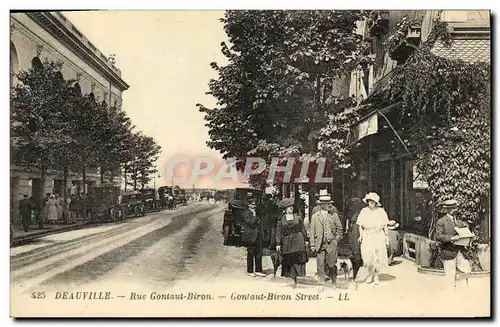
[(373, 220)]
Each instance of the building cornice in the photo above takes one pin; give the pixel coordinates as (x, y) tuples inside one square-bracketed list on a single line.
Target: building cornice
[(63, 34)]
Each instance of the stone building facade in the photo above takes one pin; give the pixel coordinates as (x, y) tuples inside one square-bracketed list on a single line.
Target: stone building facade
[(51, 36)]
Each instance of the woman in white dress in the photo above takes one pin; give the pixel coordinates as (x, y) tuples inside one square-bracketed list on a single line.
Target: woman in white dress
[(372, 222), (52, 209)]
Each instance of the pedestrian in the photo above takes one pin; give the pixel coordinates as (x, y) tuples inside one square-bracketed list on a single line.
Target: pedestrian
[(357, 262), (326, 232), (393, 235), (452, 255), (25, 207), (252, 238), (60, 207), (292, 241), (373, 236), (82, 201), (45, 207), (74, 208), (52, 209)]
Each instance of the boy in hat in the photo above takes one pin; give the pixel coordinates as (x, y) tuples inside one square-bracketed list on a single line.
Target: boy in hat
[(326, 232), (451, 254)]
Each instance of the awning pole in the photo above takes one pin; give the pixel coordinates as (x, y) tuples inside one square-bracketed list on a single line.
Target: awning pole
[(397, 135)]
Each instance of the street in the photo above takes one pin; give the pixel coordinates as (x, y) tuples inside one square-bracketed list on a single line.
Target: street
[(153, 250), (151, 266)]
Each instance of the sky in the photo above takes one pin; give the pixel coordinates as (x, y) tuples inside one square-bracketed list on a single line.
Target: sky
[(165, 57)]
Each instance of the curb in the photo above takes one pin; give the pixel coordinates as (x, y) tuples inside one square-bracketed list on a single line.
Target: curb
[(21, 240), (440, 272)]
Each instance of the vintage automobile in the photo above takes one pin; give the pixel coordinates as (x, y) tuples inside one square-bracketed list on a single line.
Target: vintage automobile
[(131, 204), (163, 192), (232, 226), (180, 197), (103, 202), (148, 197)]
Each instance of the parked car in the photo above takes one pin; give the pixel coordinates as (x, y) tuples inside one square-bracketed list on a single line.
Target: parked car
[(103, 201), (166, 197), (180, 197), (132, 205), (148, 197)]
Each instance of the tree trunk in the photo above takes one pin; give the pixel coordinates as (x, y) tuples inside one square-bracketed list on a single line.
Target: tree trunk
[(41, 216), (102, 174), (84, 177), (65, 194), (112, 176), (135, 178), (125, 178)]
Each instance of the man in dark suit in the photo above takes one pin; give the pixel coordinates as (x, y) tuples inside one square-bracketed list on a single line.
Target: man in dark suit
[(252, 238), (451, 254)]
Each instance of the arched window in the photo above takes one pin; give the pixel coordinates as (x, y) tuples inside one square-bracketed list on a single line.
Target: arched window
[(14, 63)]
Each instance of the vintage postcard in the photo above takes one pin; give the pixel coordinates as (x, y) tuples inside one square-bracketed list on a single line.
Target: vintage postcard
[(250, 163)]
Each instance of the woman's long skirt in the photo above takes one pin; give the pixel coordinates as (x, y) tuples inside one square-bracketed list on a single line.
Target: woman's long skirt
[(294, 264), (374, 250)]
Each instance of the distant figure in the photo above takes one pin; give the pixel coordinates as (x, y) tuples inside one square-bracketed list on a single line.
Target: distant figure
[(25, 207), (52, 209)]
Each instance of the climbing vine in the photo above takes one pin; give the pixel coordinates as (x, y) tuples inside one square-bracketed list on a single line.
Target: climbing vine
[(400, 33), (446, 113)]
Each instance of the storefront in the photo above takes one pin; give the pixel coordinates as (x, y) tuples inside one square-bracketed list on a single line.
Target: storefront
[(383, 164)]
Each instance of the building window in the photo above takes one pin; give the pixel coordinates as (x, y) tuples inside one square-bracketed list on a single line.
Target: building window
[(419, 182), (14, 63)]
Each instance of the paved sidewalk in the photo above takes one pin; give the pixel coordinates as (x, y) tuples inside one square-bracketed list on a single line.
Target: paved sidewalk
[(34, 232), (402, 292)]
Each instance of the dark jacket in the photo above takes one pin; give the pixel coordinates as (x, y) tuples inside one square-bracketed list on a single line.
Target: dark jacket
[(445, 229), (252, 228), (291, 235)]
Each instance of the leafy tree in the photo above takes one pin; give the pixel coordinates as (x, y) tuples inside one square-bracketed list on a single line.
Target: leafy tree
[(275, 95), (142, 165), (38, 129)]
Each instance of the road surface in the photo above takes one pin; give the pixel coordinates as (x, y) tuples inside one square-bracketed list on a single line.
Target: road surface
[(173, 263)]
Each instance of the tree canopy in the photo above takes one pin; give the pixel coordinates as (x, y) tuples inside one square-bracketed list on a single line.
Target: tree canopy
[(54, 126), (274, 97)]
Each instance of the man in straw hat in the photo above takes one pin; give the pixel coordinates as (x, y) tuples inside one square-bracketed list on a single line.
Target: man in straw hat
[(326, 232), (451, 254)]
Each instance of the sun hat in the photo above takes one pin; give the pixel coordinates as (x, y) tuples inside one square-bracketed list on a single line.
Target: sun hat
[(450, 203), (324, 197), (372, 196)]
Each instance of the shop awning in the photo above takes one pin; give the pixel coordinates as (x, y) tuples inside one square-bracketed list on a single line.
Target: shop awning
[(369, 125)]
